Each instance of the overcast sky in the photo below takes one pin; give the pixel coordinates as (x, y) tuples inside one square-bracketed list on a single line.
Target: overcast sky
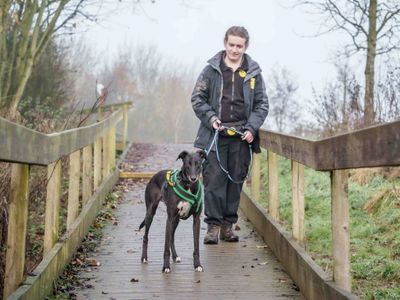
[(192, 31)]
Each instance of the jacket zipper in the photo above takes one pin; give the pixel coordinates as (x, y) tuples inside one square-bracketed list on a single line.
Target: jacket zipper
[(233, 92), (220, 94)]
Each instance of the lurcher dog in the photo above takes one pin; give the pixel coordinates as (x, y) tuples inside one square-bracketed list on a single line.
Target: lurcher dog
[(173, 189)]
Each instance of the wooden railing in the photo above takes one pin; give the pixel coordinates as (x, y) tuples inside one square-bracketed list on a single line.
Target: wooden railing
[(371, 147), (92, 146)]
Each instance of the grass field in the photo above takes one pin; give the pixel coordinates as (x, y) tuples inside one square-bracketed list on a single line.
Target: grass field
[(374, 225)]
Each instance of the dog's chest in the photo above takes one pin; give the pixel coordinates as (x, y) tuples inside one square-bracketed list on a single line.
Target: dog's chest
[(184, 209)]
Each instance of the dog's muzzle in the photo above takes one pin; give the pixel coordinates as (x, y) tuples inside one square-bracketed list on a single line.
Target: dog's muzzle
[(193, 180)]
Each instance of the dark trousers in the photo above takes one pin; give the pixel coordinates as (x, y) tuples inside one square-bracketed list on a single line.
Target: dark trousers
[(221, 195)]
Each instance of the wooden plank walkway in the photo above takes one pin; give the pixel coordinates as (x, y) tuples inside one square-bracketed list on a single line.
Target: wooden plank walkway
[(246, 269)]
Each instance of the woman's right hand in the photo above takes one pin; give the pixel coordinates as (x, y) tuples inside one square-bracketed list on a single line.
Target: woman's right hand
[(217, 125)]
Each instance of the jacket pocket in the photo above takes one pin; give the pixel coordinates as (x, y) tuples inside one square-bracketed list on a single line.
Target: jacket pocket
[(203, 137)]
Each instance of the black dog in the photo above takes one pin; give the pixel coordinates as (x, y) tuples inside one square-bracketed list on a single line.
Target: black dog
[(165, 186)]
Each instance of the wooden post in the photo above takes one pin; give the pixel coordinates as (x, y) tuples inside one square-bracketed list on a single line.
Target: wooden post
[(125, 129), (99, 114), (298, 201), (97, 164), (87, 179), (106, 155), (273, 185), (112, 140), (73, 187), (255, 177), (52, 206), (340, 229), (17, 227)]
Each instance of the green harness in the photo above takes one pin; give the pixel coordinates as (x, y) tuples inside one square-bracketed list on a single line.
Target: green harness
[(186, 195)]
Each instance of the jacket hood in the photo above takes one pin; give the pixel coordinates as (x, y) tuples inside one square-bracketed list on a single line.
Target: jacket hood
[(253, 69)]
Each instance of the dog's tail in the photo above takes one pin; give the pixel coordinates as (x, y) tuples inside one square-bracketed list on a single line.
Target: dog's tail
[(142, 224)]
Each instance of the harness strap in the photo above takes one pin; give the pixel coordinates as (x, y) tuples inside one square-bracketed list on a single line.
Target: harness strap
[(186, 195)]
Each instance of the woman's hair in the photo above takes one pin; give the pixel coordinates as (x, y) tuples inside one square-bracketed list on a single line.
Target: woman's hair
[(238, 31)]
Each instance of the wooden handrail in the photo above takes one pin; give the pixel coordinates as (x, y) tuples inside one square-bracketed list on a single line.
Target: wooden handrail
[(22, 145), (25, 147), (375, 146), (107, 107)]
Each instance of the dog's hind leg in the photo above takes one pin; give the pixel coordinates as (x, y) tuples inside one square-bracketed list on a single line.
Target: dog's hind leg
[(148, 220), (175, 256), (153, 198)]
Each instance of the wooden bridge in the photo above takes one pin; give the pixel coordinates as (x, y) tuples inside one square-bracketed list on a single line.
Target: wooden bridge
[(267, 263)]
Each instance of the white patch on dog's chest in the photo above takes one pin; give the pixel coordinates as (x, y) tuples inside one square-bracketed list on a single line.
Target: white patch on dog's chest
[(184, 208)]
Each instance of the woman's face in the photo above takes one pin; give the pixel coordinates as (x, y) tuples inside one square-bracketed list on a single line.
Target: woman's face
[(235, 47)]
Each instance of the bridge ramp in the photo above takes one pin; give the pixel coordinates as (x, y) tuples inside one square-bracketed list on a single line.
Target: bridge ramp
[(244, 270)]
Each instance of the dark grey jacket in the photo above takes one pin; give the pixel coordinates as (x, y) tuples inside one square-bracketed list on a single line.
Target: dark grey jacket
[(207, 95)]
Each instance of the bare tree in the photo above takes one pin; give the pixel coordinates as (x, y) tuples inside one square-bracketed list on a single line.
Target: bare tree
[(26, 27), (337, 108), (373, 26), (47, 89), (121, 77), (82, 63), (388, 94), (25, 30), (161, 110), (284, 109), (176, 110)]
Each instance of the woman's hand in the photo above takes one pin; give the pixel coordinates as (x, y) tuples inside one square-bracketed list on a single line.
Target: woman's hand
[(217, 125), (248, 137)]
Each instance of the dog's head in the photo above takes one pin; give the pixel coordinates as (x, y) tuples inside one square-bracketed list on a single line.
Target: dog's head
[(192, 162)]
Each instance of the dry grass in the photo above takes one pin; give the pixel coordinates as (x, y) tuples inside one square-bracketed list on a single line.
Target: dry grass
[(365, 175), (388, 197)]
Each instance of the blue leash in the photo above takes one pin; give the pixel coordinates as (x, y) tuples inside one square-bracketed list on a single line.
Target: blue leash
[(214, 142)]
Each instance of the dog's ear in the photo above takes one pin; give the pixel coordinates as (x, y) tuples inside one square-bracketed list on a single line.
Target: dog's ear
[(182, 155), (202, 153)]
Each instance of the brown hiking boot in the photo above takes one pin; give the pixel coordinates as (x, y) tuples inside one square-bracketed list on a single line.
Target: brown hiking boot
[(226, 233), (211, 238)]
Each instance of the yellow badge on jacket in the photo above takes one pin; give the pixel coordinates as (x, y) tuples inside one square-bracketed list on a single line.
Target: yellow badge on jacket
[(252, 83), (242, 73)]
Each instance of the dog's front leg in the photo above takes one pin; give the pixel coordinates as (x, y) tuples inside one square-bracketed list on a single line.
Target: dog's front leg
[(167, 245), (175, 256), (196, 238)]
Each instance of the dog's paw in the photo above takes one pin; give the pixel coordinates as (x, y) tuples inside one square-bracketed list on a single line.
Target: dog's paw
[(144, 261), (199, 269), (166, 270), (178, 259), (184, 209)]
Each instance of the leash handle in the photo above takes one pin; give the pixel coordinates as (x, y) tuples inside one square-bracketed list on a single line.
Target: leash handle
[(214, 143)]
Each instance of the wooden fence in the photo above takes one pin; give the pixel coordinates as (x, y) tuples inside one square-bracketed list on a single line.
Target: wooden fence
[(371, 147), (93, 147)]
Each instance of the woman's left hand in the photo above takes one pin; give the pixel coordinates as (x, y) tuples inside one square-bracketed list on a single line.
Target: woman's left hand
[(248, 137)]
